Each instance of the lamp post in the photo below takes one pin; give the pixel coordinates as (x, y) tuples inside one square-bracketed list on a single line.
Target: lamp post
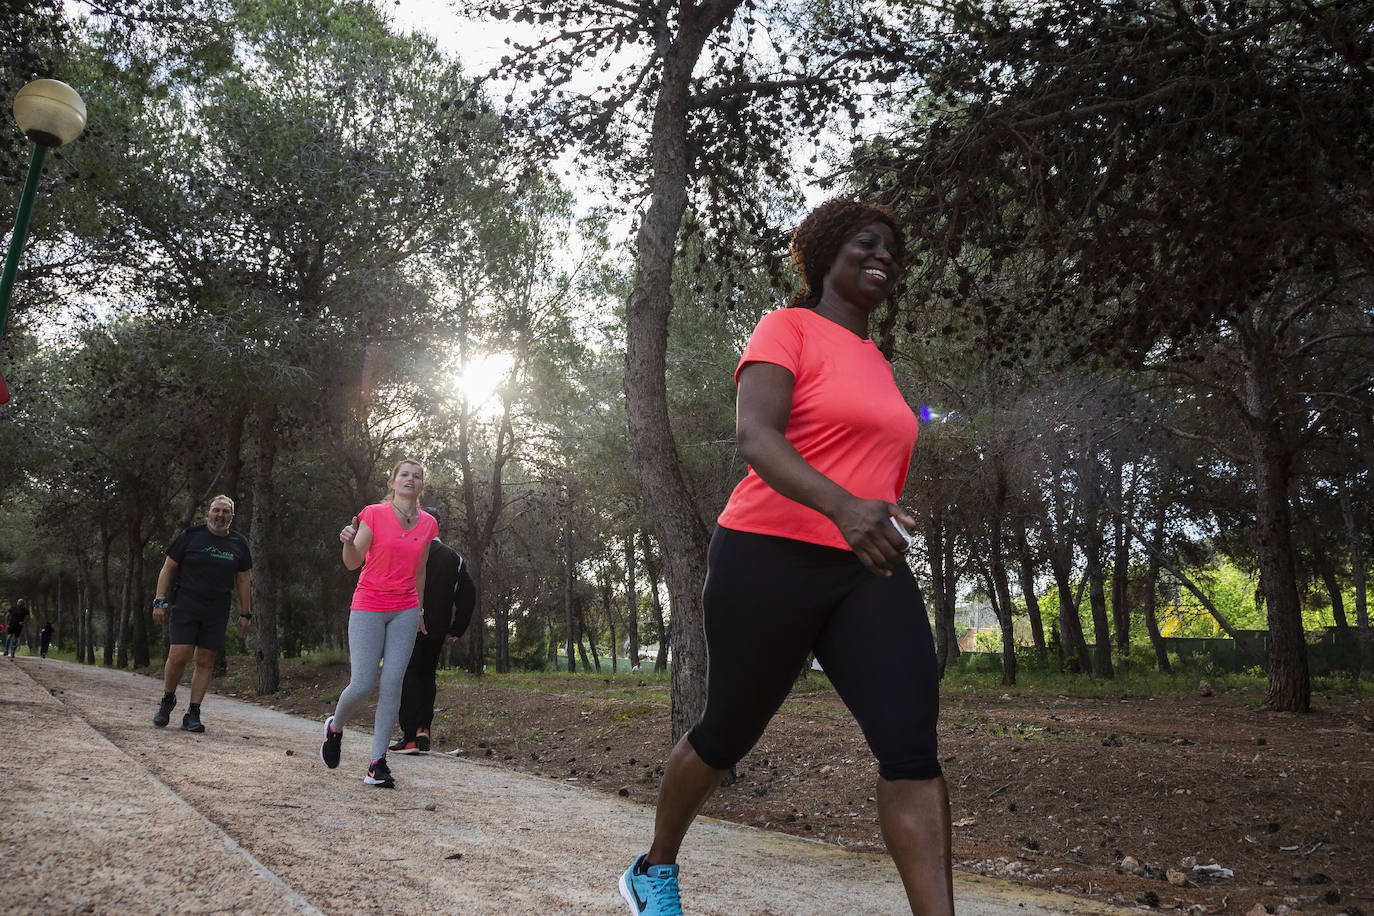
[(50, 113)]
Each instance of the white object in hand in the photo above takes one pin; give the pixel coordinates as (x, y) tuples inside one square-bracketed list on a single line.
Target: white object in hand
[(906, 536)]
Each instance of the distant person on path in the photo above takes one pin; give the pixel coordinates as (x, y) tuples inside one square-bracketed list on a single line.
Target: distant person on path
[(209, 563), (450, 596), (45, 639), (391, 541), (806, 557), (14, 626)]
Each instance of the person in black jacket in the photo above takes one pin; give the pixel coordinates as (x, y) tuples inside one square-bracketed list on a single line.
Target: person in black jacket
[(450, 596), (14, 626), (45, 639)]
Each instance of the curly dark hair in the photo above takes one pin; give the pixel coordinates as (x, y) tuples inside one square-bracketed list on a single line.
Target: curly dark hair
[(819, 237)]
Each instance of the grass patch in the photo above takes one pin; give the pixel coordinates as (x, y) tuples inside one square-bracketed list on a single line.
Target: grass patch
[(327, 655), (1135, 681), (623, 714)]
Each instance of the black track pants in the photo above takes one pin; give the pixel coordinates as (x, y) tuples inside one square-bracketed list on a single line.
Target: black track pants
[(769, 601), (418, 688)]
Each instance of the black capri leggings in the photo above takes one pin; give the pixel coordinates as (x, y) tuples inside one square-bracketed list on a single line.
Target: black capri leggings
[(769, 601)]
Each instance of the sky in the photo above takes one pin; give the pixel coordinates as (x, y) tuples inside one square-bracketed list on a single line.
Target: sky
[(478, 44)]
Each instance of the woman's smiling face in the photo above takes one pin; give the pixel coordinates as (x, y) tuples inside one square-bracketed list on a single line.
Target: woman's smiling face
[(867, 266)]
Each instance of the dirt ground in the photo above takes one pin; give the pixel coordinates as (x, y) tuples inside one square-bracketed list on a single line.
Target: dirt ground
[(1123, 800)]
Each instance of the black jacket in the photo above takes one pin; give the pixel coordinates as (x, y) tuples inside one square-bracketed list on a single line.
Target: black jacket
[(450, 593)]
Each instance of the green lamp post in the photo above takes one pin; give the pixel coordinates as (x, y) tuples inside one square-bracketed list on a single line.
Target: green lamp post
[(50, 113)]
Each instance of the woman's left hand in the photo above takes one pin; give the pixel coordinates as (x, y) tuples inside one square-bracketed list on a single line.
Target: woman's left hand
[(422, 622), (867, 525)]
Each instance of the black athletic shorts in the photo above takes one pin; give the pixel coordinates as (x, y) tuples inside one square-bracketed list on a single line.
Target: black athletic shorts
[(769, 601), (195, 627)]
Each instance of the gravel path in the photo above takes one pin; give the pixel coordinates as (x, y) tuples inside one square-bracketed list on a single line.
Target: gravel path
[(106, 814)]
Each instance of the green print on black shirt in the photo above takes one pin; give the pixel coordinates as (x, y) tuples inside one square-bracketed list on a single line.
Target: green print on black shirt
[(207, 565)]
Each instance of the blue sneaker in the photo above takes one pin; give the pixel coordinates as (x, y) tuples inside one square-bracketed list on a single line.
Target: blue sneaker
[(652, 892)]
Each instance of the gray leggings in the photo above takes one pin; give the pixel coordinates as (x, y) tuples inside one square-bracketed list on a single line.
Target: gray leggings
[(372, 636)]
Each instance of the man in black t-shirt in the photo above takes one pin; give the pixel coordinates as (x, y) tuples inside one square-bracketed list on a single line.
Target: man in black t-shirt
[(14, 626), (209, 563)]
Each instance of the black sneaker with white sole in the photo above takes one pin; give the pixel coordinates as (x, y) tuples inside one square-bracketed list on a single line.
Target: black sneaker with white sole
[(164, 710), (379, 774), (332, 746)]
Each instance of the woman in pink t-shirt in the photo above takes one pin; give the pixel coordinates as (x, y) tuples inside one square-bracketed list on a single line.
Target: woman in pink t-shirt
[(390, 541), (809, 556)]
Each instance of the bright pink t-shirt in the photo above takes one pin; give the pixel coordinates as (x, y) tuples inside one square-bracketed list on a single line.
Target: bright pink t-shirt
[(848, 421), (387, 582)]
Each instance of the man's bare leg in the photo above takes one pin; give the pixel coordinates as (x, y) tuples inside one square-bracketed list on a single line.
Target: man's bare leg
[(200, 678), (177, 659)]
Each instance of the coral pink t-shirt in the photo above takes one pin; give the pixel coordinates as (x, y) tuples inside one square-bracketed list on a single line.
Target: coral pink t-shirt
[(387, 582), (848, 421)]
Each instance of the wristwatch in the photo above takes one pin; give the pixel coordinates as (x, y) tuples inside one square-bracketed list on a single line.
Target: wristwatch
[(159, 602), (246, 616)]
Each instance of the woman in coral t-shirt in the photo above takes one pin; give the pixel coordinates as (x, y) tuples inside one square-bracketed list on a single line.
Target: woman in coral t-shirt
[(390, 541), (808, 555)]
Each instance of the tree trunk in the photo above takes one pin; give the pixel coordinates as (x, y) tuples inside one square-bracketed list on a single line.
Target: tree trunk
[(951, 594), (264, 584), (568, 585), (131, 625), (1092, 492), (1345, 636), (946, 639), (591, 641), (607, 593), (1290, 683), (1121, 560), (57, 613), (501, 615), (481, 531), (126, 599), (1026, 567), (653, 569), (552, 657), (137, 615), (1241, 642), (677, 525), (111, 630), (1097, 600), (477, 630), (1061, 563), (999, 587), (83, 605), (632, 600), (1150, 589), (233, 451), (1355, 533)]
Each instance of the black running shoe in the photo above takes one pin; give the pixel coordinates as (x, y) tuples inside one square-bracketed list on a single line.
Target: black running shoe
[(191, 723), (164, 710), (422, 739), (332, 746), (405, 746), (379, 774)]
